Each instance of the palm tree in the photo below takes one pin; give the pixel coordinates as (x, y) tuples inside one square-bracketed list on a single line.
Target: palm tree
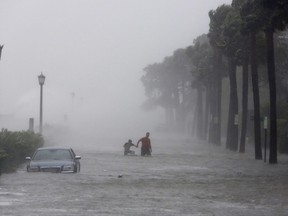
[(275, 17), (158, 85), (165, 84), (242, 56), (245, 71), (215, 31), (199, 55), (251, 26), (232, 47)]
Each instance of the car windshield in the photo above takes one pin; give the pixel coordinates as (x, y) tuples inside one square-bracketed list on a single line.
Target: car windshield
[(52, 154)]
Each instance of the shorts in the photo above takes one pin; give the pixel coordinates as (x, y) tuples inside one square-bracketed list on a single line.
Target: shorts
[(145, 151)]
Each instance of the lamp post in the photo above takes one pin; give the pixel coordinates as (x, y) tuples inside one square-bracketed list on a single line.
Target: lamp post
[(41, 79)]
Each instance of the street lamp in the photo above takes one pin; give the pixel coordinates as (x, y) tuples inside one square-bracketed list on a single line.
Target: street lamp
[(41, 79)]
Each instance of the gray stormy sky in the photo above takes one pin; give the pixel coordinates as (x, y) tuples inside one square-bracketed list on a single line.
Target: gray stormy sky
[(95, 49)]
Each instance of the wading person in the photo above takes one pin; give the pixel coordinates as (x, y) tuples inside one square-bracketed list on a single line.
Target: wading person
[(127, 147), (146, 148)]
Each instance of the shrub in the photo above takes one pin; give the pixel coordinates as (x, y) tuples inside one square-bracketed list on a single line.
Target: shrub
[(14, 146)]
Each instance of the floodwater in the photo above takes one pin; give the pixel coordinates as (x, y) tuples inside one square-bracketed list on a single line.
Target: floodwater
[(181, 178)]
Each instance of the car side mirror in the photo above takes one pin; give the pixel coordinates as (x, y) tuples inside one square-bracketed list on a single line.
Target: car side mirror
[(28, 158), (77, 157)]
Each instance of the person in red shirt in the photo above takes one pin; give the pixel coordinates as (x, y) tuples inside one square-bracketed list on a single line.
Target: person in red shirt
[(146, 148)]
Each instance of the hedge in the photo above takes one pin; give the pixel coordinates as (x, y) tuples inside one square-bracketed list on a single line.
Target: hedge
[(15, 146)]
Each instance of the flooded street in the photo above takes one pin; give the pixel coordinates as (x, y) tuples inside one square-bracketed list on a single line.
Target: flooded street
[(179, 179)]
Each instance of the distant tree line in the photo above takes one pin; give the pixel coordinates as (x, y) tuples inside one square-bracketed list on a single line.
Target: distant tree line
[(246, 37)]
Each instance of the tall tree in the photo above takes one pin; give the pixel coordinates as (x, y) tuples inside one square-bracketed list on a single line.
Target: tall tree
[(232, 40), (165, 85), (244, 62), (180, 66), (245, 85), (275, 17), (200, 56), (251, 26), (217, 18)]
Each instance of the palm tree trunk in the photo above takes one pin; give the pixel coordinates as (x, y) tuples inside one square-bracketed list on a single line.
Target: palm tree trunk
[(207, 108), (256, 99), (216, 95), (244, 105), (272, 90), (200, 120), (232, 131), (219, 100), (213, 103)]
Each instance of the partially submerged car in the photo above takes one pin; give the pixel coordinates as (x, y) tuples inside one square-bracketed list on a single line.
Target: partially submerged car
[(54, 159)]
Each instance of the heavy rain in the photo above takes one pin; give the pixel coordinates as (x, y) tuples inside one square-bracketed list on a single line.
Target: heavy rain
[(203, 78)]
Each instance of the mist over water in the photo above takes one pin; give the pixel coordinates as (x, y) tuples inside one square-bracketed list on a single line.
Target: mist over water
[(92, 53)]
